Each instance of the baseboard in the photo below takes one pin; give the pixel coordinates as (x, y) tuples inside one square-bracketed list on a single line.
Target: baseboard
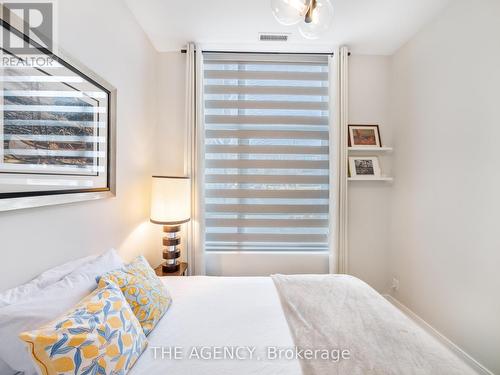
[(479, 368)]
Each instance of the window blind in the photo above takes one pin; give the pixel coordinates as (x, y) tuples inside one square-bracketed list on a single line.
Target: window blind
[(266, 152)]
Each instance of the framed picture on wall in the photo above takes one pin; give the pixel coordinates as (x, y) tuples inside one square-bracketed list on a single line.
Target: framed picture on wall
[(57, 128), (364, 136), (364, 166)]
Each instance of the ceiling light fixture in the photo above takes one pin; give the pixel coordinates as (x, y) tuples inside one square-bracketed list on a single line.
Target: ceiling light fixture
[(317, 15)]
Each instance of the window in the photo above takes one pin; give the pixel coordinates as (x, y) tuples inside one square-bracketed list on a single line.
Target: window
[(266, 152)]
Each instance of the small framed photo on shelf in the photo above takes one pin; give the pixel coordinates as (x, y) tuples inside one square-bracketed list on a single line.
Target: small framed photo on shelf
[(364, 167), (364, 136)]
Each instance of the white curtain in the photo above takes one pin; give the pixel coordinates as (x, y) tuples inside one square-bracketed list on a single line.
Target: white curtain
[(194, 158), (339, 68)]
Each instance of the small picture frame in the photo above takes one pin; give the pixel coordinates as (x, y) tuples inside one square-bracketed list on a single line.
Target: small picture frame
[(364, 167), (364, 136)]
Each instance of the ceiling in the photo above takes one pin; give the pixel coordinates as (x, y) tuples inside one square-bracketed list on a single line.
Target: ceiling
[(366, 26)]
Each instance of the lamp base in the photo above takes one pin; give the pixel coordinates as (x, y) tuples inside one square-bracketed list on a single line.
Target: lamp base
[(171, 252), (170, 268)]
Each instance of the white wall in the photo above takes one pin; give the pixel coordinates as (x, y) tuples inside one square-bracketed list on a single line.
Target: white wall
[(105, 37), (446, 247), (369, 201)]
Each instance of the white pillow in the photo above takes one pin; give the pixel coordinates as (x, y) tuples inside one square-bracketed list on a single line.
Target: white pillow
[(106, 262), (45, 279), (47, 305)]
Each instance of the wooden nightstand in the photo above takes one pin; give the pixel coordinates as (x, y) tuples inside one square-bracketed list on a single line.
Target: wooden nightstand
[(181, 272)]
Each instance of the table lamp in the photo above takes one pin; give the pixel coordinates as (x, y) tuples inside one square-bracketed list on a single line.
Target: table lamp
[(171, 207)]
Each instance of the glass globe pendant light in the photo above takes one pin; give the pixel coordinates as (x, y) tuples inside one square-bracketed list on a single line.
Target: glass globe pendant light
[(318, 19), (290, 12)]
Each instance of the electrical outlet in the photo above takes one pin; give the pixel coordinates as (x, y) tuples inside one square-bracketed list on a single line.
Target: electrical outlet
[(395, 284)]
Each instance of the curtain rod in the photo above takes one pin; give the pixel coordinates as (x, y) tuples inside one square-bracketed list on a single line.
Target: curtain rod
[(270, 53)]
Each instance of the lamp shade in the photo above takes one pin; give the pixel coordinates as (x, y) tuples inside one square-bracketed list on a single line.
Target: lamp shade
[(170, 200)]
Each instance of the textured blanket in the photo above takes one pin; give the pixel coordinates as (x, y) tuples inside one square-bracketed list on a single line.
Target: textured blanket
[(346, 327)]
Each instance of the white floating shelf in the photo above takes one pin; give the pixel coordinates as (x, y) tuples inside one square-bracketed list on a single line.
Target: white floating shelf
[(370, 149), (386, 179)]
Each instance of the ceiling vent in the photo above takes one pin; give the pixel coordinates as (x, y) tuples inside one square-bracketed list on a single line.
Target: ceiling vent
[(273, 37)]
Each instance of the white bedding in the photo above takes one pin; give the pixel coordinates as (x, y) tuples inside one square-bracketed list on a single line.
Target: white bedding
[(343, 313), (219, 312)]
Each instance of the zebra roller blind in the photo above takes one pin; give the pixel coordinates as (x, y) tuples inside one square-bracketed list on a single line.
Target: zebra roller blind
[(266, 152)]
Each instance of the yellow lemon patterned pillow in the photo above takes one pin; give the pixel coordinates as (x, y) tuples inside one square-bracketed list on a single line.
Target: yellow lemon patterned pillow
[(100, 335), (144, 291)]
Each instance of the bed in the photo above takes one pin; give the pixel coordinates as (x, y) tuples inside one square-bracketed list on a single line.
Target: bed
[(319, 311), (290, 325)]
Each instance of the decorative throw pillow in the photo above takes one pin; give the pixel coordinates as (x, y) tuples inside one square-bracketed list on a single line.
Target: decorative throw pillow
[(144, 291), (100, 335)]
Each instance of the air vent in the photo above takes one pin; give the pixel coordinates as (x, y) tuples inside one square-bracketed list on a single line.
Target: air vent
[(270, 37)]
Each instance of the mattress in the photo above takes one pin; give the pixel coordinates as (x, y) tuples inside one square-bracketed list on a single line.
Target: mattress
[(220, 325)]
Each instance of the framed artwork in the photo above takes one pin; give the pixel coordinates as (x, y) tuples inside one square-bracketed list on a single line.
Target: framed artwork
[(364, 136), (57, 129), (364, 166)]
